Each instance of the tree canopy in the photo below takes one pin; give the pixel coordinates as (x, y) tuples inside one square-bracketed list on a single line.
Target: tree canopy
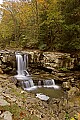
[(42, 24)]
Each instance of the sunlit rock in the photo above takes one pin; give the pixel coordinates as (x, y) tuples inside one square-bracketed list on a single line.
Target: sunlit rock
[(6, 115), (3, 102), (42, 96)]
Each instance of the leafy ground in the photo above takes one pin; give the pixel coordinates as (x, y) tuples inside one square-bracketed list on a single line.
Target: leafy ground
[(17, 99), (25, 106)]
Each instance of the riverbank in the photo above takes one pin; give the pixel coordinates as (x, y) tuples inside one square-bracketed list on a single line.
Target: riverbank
[(18, 104)]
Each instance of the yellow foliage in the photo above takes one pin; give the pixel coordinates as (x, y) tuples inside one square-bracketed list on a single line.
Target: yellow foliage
[(72, 119)]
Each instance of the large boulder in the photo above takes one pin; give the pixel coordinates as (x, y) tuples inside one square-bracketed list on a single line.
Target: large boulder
[(7, 61)]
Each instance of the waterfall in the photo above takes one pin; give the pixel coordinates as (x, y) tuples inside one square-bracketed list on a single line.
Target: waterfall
[(50, 84), (39, 84), (22, 73), (27, 62), (20, 63), (24, 77), (21, 67)]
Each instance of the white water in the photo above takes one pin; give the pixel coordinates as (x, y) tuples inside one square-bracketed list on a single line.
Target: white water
[(19, 64), (39, 84), (50, 84), (22, 73)]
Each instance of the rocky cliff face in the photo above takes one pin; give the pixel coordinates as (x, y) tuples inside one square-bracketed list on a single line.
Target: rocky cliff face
[(7, 61), (49, 60), (16, 104), (56, 109)]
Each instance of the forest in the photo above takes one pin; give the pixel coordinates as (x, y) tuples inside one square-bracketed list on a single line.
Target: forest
[(49, 25), (40, 60)]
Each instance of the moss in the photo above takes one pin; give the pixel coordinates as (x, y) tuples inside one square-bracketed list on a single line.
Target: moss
[(64, 69), (75, 117), (67, 117), (18, 113)]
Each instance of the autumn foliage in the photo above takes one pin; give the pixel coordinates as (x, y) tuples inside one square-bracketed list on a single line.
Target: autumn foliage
[(42, 24)]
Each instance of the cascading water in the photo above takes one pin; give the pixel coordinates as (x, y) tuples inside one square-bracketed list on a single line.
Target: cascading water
[(21, 67), (24, 77), (26, 81), (50, 84), (22, 73)]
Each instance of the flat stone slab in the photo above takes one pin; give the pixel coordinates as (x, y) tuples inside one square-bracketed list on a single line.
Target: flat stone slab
[(42, 96)]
